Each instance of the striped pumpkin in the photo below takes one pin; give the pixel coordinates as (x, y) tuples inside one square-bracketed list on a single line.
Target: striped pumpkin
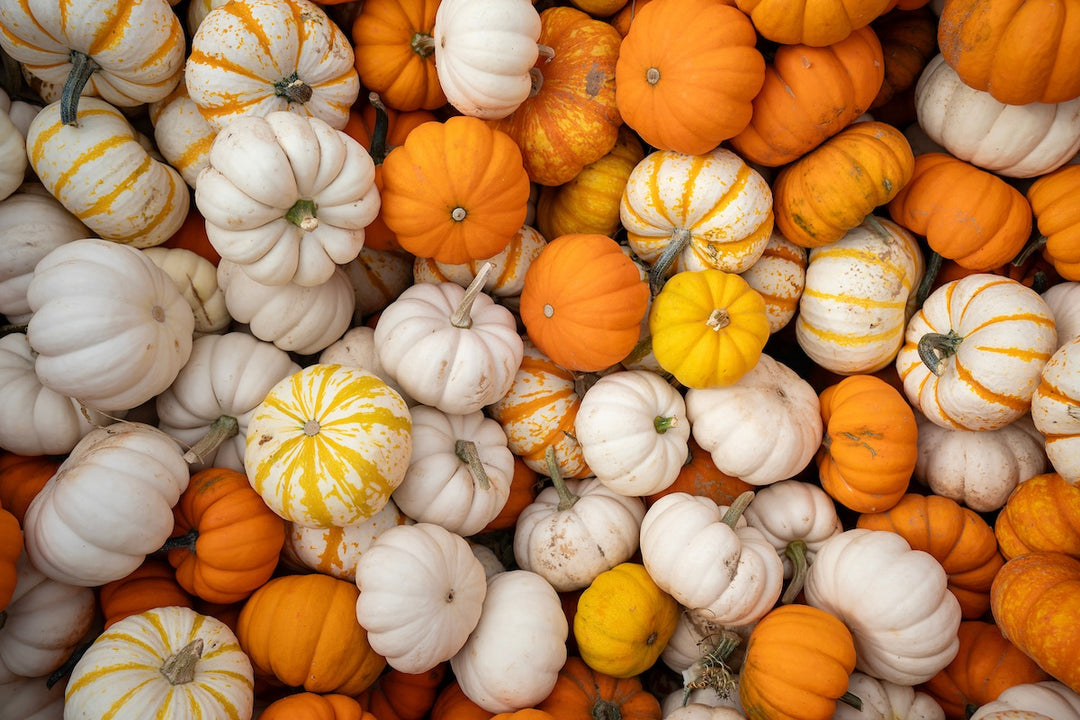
[(258, 56), (328, 445), (1055, 408), (100, 172), (165, 662), (973, 355), (779, 276), (859, 294), (181, 133)]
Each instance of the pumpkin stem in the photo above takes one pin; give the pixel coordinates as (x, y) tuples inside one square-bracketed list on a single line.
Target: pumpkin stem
[(186, 542), (735, 510), (179, 668), (462, 317), (68, 665), (82, 67), (935, 347), (1030, 249), (467, 453), (718, 319), (225, 427), (852, 700), (302, 215), (11, 329), (536, 81), (566, 498), (874, 224), (379, 147), (606, 710), (680, 238), (711, 669), (640, 351), (293, 89), (969, 710), (796, 553), (422, 44), (663, 424), (933, 267), (545, 51)]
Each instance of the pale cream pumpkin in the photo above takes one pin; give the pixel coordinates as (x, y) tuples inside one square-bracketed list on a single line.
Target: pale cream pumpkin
[(356, 348), (181, 133), (196, 279), (1063, 299), (13, 162), (335, 550), (779, 276), (1055, 410)]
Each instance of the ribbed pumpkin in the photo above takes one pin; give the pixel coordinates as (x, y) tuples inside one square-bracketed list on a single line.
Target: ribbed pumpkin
[(455, 191), (1057, 214), (11, 546), (403, 696), (966, 214), (779, 275), (793, 22), (869, 450), (581, 693), (908, 41), (1041, 514), (700, 476), (394, 54), (453, 704), (152, 585), (687, 74), (809, 95), (21, 478), (312, 706), (819, 197), (583, 302), (1020, 51), (301, 630), (1055, 410), (956, 536)]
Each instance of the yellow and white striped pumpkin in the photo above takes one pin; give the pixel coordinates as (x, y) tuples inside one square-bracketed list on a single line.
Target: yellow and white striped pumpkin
[(779, 276), (328, 445), (1055, 409), (103, 175), (860, 291), (973, 354), (181, 133), (169, 662)]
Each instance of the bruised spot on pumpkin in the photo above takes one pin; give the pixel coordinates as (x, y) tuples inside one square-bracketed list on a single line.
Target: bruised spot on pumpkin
[(594, 81), (265, 439)]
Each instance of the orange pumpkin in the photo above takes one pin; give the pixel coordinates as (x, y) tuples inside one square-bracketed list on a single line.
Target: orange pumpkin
[(583, 302), (1042, 513), (809, 95), (11, 546), (956, 536), (581, 693), (1057, 213), (869, 450), (821, 196), (524, 714), (398, 695), (152, 585), (700, 476), (191, 235), (966, 214), (453, 704), (21, 479), (395, 55), (1036, 602), (524, 487), (312, 706), (226, 541), (301, 630), (985, 665), (794, 22), (622, 19), (687, 74), (908, 42), (455, 191)]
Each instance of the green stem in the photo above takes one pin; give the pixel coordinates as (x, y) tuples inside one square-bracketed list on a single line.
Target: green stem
[(934, 348), (467, 453), (185, 542), (11, 329), (68, 665), (302, 215), (663, 424), (179, 668), (293, 89), (711, 670), (680, 238), (222, 429), (933, 267), (379, 147), (735, 510), (462, 317), (852, 700), (566, 498), (969, 710), (422, 44), (1029, 249), (796, 553), (82, 67)]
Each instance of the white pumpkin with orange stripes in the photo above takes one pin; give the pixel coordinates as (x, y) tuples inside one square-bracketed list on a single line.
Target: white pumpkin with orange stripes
[(974, 353), (1055, 409)]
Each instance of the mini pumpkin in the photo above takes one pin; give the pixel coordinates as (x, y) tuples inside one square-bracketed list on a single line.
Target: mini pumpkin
[(1041, 514), (1057, 218)]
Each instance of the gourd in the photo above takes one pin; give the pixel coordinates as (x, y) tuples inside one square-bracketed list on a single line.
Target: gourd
[(582, 692), (779, 276), (21, 479), (196, 279), (12, 150), (181, 133), (1057, 218), (814, 24), (1055, 410), (1041, 514), (1063, 300), (1047, 698), (10, 551), (335, 550), (151, 585), (883, 700), (356, 348), (377, 277)]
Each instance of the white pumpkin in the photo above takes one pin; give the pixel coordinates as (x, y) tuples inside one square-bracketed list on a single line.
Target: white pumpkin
[(1021, 141), (304, 320), (763, 428), (356, 348), (109, 327), (859, 575), (488, 559), (727, 699), (883, 700), (196, 279), (44, 622), (1063, 299), (421, 593), (335, 550), (31, 699), (701, 711), (697, 640), (779, 276), (633, 430), (707, 557), (483, 54), (512, 658), (1048, 699), (1055, 410), (224, 380), (459, 473), (13, 163), (131, 475), (978, 468), (287, 197), (35, 420)]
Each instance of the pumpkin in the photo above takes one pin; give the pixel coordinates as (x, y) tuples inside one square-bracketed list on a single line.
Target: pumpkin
[(12, 547), (393, 56), (151, 585), (191, 235), (323, 649), (687, 74), (773, 681), (524, 488), (270, 56), (966, 214), (1041, 514), (21, 479), (986, 665), (818, 198), (31, 699), (181, 133), (126, 54), (226, 541), (356, 348), (335, 550), (1057, 218), (172, 660), (973, 354), (403, 696), (196, 279), (313, 706), (809, 95), (1055, 408), (700, 476), (12, 150), (857, 576), (858, 294), (455, 191), (1012, 140), (1062, 297), (1042, 585), (817, 24), (483, 59), (340, 464), (908, 40), (421, 593), (623, 621), (287, 197), (581, 693), (870, 447), (779, 276), (1016, 51), (377, 277), (583, 302), (957, 537), (883, 700), (1048, 698), (134, 474), (121, 192)]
